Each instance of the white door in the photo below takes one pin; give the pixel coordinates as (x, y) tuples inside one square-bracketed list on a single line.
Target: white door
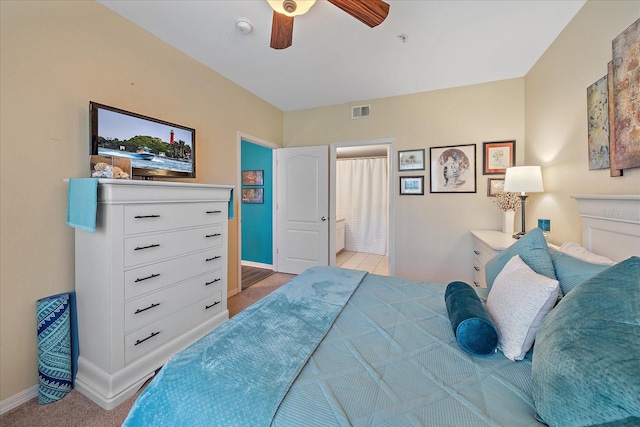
[(302, 208)]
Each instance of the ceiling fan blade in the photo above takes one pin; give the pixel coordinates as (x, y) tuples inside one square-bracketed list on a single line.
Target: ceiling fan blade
[(281, 31), (370, 12)]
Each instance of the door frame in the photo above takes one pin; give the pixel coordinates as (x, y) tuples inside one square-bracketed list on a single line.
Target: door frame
[(238, 196), (391, 226)]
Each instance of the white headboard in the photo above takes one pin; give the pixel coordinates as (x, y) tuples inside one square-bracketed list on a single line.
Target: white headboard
[(610, 224)]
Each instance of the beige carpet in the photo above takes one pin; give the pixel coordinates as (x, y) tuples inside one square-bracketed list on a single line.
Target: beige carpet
[(72, 410), (76, 410)]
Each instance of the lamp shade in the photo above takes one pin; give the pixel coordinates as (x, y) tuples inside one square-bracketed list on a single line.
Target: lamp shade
[(523, 179), (291, 7)]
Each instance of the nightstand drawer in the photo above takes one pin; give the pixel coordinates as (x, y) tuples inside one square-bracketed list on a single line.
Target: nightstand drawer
[(482, 255), (486, 245)]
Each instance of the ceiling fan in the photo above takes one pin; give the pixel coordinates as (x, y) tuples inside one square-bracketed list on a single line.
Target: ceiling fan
[(370, 12)]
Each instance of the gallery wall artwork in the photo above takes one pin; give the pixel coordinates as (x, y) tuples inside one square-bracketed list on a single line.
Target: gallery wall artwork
[(498, 156), (453, 169)]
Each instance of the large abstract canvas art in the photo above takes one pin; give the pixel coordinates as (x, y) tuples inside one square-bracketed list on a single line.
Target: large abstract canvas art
[(626, 86), (598, 113)]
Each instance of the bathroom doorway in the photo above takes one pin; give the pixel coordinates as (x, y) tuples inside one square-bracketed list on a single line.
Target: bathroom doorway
[(363, 205)]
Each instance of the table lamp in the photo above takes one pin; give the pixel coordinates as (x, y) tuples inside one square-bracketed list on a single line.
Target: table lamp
[(523, 180)]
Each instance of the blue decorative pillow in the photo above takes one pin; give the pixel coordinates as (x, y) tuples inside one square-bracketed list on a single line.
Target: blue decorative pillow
[(474, 330), (586, 361), (533, 250), (572, 271)]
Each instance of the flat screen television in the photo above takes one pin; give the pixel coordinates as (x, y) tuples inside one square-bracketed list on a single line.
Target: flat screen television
[(156, 148)]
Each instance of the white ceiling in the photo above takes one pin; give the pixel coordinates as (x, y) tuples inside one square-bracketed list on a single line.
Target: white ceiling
[(336, 59)]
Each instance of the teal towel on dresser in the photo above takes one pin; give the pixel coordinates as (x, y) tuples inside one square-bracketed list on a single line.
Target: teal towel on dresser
[(83, 203)]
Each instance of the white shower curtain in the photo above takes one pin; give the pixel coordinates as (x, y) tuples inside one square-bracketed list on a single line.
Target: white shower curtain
[(362, 199)]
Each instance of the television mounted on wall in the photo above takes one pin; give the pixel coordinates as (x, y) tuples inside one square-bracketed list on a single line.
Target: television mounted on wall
[(156, 148)]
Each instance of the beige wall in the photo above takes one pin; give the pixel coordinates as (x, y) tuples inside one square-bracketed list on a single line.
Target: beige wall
[(432, 231), (55, 58), (556, 116)]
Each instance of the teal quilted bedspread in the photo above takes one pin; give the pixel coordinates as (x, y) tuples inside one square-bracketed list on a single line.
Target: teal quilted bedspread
[(389, 359)]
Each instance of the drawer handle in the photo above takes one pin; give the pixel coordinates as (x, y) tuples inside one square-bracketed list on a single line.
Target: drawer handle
[(147, 278), (211, 259), (140, 310), (213, 235), (211, 282), (139, 248), (476, 252), (476, 283), (153, 334), (476, 268), (207, 307), (146, 216), (214, 212)]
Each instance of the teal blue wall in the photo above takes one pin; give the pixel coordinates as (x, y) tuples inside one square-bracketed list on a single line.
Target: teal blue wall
[(257, 219)]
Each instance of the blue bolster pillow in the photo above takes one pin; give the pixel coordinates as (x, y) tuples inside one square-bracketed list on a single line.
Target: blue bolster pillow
[(474, 330)]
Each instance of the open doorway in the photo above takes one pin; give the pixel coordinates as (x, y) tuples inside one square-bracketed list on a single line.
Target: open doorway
[(362, 205), (255, 193)]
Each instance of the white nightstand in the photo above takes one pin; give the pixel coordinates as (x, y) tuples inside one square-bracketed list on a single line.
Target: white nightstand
[(486, 245)]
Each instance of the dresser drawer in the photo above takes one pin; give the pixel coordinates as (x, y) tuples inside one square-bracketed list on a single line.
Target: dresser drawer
[(142, 280), (143, 340), (145, 310), (153, 247), (159, 217)]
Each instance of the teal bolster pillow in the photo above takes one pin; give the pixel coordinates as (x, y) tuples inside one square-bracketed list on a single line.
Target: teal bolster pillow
[(586, 361), (533, 250), (474, 330)]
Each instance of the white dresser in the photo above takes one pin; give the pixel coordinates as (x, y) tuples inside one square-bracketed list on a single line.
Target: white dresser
[(150, 281), (486, 245)]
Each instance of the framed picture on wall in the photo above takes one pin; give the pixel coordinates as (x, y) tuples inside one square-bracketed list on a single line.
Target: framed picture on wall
[(253, 177), (453, 169), (412, 185), (495, 186), (497, 157), (253, 195), (411, 160)]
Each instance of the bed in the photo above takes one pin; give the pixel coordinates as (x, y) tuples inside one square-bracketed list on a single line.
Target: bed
[(342, 347)]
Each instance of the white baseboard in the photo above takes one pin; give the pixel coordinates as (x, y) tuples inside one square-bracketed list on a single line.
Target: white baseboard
[(257, 264), (18, 399)]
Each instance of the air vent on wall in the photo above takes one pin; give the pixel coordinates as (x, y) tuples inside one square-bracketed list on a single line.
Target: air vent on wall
[(361, 111)]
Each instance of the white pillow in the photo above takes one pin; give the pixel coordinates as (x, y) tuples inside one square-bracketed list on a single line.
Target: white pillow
[(518, 301), (577, 251)]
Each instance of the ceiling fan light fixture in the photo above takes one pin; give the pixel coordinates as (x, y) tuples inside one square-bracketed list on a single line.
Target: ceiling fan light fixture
[(291, 7)]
